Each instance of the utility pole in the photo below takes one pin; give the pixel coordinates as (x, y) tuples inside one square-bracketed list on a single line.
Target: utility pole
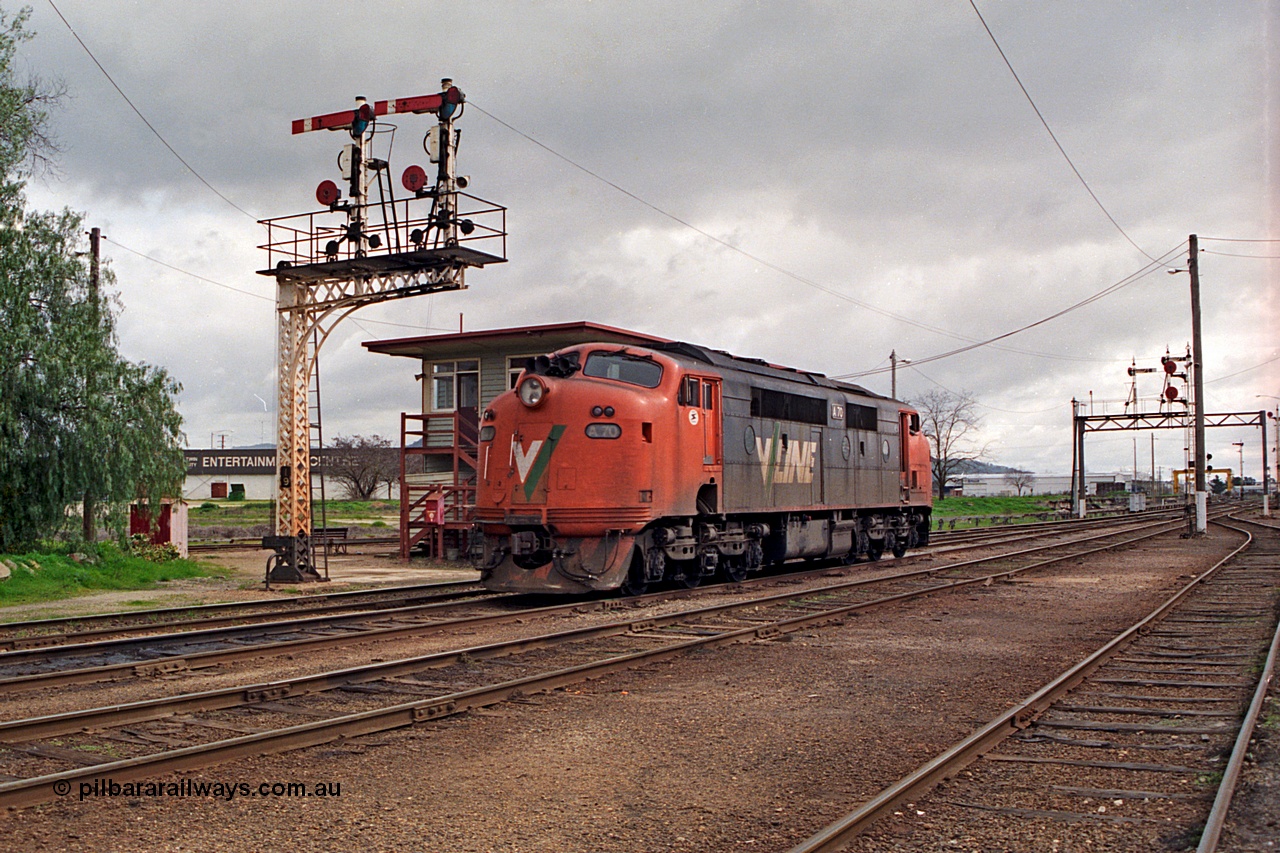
[(95, 249), (892, 372), (88, 526), (1197, 366)]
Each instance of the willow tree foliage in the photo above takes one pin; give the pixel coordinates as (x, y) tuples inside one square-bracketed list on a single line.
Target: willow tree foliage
[(82, 429)]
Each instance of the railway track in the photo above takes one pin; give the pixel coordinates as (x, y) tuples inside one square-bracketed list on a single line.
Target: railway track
[(39, 633), (78, 630), (1140, 744), (1010, 532), (145, 738), (199, 645)]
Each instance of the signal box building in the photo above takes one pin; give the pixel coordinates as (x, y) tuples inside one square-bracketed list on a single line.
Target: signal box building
[(461, 374)]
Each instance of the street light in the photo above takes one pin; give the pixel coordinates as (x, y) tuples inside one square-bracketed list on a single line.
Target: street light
[(1266, 473), (1239, 445), (894, 361)]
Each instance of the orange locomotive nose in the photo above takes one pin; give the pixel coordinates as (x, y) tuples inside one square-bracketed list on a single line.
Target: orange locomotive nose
[(567, 477)]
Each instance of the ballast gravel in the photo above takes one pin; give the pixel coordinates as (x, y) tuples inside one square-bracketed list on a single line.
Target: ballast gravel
[(751, 747)]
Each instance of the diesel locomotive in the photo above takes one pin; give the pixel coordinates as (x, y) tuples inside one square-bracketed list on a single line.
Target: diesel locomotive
[(611, 466)]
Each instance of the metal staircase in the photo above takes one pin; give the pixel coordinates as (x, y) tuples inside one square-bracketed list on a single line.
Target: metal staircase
[(438, 465)]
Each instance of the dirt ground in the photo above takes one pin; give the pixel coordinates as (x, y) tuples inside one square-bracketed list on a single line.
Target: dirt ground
[(752, 747)]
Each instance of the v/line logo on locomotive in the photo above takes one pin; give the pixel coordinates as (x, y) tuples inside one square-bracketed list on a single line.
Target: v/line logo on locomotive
[(780, 461), (785, 462)]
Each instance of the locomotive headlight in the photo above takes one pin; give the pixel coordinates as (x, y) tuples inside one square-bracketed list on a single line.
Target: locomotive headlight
[(532, 390)]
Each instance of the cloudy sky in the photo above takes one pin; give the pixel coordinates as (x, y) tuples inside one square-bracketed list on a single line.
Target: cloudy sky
[(888, 183)]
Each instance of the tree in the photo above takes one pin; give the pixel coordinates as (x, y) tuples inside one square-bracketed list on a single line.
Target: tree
[(360, 464), (1020, 480), (950, 422), (1217, 485), (79, 424)]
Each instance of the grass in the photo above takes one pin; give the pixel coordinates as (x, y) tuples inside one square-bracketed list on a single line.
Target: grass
[(53, 575), (1027, 504), (244, 513)]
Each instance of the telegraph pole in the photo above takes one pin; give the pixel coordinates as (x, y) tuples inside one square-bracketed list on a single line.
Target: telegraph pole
[(88, 528), (1197, 366), (893, 373)]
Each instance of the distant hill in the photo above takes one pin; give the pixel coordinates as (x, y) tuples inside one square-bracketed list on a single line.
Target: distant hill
[(971, 467)]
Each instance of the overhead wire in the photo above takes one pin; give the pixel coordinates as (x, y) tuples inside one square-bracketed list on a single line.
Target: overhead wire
[(719, 241), (244, 292), (138, 112), (1054, 136), (1238, 255), (1157, 263), (775, 267)]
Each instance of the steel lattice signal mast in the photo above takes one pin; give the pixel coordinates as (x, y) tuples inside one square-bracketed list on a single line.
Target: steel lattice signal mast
[(355, 252)]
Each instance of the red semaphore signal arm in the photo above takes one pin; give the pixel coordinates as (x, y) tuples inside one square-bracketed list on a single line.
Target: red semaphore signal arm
[(339, 120)]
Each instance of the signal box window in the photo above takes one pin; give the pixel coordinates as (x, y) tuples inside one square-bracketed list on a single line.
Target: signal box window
[(455, 385), (514, 367), (623, 368)]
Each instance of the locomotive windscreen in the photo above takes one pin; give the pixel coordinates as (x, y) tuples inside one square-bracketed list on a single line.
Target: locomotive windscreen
[(623, 368)]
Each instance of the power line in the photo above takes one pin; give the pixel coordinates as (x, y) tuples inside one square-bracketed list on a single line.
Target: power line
[(1238, 255), (757, 259), (1242, 239), (1053, 136), (186, 272), (240, 290), (1239, 372), (149, 125), (1145, 271)]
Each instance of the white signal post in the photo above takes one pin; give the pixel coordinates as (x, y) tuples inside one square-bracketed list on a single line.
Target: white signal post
[(324, 273)]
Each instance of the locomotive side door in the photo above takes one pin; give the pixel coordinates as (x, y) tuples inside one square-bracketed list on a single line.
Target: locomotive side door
[(700, 405), (904, 470), (712, 442)]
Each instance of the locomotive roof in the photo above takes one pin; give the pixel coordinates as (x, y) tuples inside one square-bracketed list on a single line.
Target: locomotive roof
[(720, 358)]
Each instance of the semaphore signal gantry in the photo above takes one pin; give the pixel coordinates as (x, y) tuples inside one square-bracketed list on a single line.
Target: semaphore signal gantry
[(366, 248)]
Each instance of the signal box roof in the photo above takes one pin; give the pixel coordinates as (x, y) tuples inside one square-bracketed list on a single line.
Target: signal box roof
[(546, 338)]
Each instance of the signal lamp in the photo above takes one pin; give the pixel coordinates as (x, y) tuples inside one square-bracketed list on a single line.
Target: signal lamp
[(416, 236), (532, 391), (414, 178), (596, 411), (1171, 393), (608, 411), (374, 241), (361, 118), (327, 193), (466, 226)]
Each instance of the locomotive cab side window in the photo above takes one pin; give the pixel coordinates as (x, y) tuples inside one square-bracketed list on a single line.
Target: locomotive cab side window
[(913, 426), (690, 395)]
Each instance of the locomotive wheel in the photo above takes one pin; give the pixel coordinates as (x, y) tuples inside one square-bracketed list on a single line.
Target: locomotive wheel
[(899, 547), (692, 577), (875, 549), (734, 570), (635, 584)]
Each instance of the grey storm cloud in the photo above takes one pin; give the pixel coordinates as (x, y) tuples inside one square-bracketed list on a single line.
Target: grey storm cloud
[(881, 150)]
